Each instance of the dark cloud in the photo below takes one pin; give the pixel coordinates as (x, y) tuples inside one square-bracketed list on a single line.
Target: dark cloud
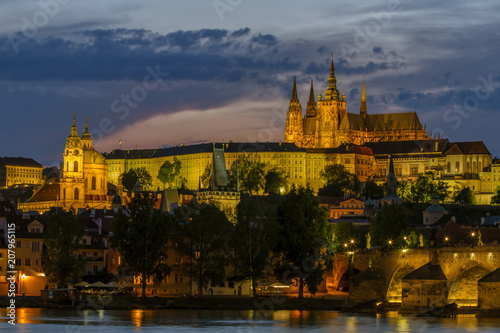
[(377, 50)]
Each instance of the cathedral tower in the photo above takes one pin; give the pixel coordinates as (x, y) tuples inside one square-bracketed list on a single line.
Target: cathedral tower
[(331, 110), (362, 108), (294, 130)]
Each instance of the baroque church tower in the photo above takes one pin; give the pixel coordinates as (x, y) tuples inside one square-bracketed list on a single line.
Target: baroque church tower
[(329, 125), (84, 172)]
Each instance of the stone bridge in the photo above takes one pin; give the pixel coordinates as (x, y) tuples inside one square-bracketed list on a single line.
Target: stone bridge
[(378, 274)]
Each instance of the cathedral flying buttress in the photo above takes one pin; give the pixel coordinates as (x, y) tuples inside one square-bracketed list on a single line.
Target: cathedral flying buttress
[(327, 124)]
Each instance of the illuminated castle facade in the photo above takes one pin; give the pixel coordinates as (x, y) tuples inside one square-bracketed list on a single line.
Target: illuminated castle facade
[(327, 124)]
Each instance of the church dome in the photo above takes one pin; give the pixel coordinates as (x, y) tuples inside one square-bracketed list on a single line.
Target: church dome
[(117, 200), (92, 157)]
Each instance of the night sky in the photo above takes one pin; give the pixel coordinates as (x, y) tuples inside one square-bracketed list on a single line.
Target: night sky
[(161, 73)]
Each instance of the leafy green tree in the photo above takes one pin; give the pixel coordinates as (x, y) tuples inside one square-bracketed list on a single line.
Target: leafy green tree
[(422, 189), (465, 196), (345, 233), (254, 237), (339, 180), (132, 176), (275, 182), (169, 173), (372, 190), (209, 233), (388, 224), (140, 235), (61, 243), (495, 199), (304, 242), (251, 174)]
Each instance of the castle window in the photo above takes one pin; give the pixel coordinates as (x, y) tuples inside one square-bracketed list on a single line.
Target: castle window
[(474, 167), (76, 193), (457, 166), (76, 166), (93, 183), (468, 167)]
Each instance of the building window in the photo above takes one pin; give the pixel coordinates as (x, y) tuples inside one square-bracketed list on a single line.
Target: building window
[(93, 183), (176, 278), (457, 166), (468, 167), (448, 167), (76, 166), (27, 262), (413, 170), (19, 244), (76, 193), (18, 262), (35, 246)]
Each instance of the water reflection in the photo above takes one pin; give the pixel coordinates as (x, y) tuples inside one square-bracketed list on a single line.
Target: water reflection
[(48, 320)]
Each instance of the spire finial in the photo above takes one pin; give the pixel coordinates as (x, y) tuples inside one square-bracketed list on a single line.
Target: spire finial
[(362, 107), (294, 91), (311, 104), (74, 119)]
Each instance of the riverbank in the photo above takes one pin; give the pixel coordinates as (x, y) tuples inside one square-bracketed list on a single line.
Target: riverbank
[(203, 303)]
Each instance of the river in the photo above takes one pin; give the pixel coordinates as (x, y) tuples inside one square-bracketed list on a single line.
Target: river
[(55, 321)]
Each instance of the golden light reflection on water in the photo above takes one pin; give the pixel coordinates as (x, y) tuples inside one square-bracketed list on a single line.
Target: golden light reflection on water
[(137, 316), (301, 320)]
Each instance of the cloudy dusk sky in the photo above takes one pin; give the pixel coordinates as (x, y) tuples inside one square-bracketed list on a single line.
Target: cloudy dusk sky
[(160, 73)]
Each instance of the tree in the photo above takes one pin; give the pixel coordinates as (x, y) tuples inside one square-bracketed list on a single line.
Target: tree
[(372, 190), (169, 173), (339, 180), (495, 199), (465, 196), (422, 189), (61, 243), (345, 233), (388, 224), (254, 237), (304, 241), (132, 176), (140, 235), (251, 174), (275, 182), (209, 234)]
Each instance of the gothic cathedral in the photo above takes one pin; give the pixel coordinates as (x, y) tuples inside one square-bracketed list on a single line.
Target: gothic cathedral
[(328, 124)]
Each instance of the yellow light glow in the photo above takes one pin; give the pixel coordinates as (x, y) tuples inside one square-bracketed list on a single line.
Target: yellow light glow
[(23, 276), (404, 250)]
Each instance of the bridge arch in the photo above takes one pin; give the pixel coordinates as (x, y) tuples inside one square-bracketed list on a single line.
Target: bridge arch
[(394, 289), (463, 287)]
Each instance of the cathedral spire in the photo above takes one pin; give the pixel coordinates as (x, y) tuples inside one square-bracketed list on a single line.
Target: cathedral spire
[(311, 104), (294, 98), (362, 107), (332, 92), (311, 93)]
